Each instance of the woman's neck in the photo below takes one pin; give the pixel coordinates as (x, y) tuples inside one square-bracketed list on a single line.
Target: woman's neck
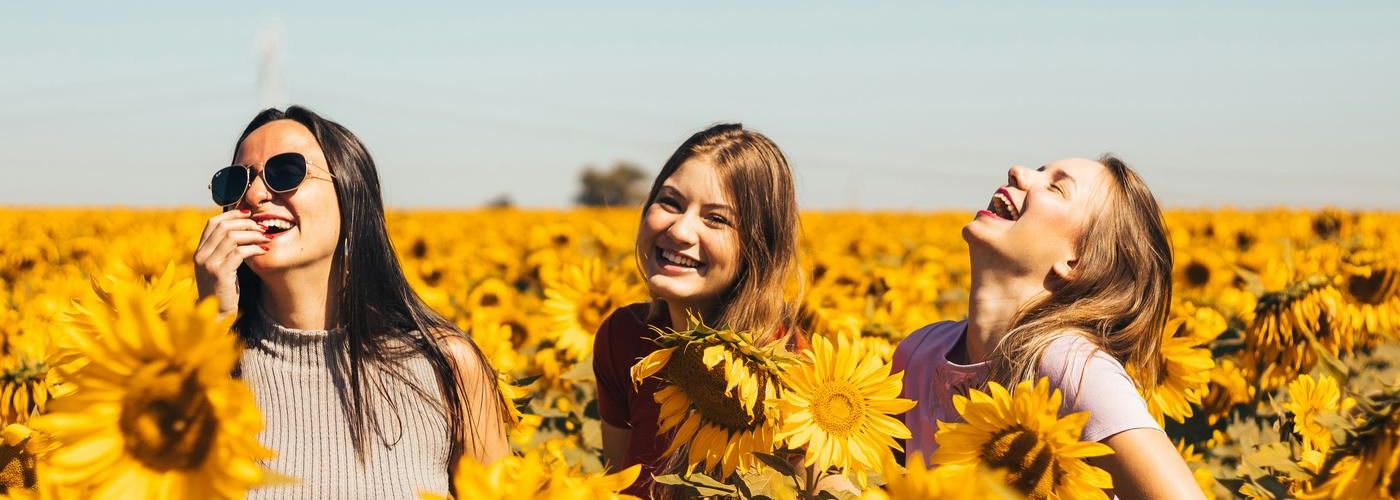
[(302, 299), (993, 301), (680, 314)]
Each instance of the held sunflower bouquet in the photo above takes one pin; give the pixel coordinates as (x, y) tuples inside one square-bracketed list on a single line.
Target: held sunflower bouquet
[(789, 424), (719, 395)]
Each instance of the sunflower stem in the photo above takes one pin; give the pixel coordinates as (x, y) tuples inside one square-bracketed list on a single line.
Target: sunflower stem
[(813, 477)]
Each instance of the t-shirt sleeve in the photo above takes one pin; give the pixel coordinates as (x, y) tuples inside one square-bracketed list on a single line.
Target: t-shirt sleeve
[(1092, 380), (614, 379), (906, 349)]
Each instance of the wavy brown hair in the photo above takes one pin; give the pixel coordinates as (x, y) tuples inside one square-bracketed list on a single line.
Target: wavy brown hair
[(758, 181), (1119, 298)]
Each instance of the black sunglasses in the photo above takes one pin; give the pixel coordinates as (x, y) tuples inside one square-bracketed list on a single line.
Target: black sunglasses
[(281, 173)]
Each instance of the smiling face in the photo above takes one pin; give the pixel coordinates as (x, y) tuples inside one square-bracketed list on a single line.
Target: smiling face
[(1036, 220), (687, 242), (304, 223)]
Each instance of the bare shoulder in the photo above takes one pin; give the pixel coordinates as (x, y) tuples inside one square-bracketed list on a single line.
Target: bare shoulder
[(462, 353)]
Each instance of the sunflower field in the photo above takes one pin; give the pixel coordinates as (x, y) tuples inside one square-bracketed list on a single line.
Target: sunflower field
[(1281, 371)]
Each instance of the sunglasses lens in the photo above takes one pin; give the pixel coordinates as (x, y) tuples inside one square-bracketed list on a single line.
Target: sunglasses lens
[(285, 172), (228, 184)]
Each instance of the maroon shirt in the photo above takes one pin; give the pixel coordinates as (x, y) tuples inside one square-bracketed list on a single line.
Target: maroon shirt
[(623, 339)]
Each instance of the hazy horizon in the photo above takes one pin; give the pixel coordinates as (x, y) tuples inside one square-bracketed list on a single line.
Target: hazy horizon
[(894, 106)]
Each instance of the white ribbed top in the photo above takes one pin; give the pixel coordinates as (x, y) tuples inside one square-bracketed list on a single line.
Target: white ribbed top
[(306, 424)]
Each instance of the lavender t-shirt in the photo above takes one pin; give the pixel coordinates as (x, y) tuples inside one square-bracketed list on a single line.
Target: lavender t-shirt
[(1090, 379)]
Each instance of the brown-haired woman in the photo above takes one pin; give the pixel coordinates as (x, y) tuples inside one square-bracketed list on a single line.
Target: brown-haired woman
[(718, 238), (1071, 280)]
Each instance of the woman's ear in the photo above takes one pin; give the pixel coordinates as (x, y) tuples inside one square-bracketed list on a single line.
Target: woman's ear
[(1064, 270)]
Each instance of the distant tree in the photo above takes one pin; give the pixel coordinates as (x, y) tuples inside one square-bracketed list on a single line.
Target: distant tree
[(502, 200), (622, 185)]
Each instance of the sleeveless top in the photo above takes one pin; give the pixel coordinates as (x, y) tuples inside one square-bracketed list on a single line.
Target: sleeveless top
[(1089, 379), (306, 423)]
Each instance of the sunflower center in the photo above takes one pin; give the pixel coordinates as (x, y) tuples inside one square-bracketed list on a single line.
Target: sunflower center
[(167, 421), (1029, 461), (1372, 289), (838, 407), (1197, 274), (590, 314), (490, 300), (705, 388)]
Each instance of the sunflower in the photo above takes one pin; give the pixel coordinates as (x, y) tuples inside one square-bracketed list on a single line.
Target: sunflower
[(155, 411), (949, 482), (718, 396), (1202, 271), (1367, 463), (26, 379), (1185, 374), (17, 458), (491, 300), (1371, 285), (1307, 398), (1228, 389), (535, 474), (1292, 318), (1022, 433), (578, 301), (838, 408)]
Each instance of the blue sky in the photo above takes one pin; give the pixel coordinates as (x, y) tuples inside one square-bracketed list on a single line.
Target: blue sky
[(878, 105)]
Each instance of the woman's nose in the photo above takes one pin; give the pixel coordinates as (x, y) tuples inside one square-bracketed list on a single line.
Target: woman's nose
[(257, 191), (681, 230), (1017, 177)]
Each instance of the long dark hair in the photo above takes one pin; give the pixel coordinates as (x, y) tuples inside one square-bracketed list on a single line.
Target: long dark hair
[(383, 319)]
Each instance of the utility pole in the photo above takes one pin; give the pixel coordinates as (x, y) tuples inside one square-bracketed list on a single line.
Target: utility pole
[(272, 85)]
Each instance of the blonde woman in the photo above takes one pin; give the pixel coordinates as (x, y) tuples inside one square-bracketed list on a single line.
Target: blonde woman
[(718, 238), (1071, 280)]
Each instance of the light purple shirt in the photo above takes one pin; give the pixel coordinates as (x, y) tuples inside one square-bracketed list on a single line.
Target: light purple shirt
[(1090, 379)]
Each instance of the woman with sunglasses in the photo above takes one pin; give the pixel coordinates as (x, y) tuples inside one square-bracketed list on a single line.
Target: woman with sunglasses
[(365, 391)]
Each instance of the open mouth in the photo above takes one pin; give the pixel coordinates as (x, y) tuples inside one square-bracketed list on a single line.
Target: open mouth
[(1003, 207), (667, 257), (276, 226)]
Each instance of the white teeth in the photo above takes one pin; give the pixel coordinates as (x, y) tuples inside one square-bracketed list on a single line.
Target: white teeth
[(679, 259), (1003, 207), (277, 223)]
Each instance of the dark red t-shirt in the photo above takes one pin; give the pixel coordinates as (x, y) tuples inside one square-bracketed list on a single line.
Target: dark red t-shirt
[(623, 339)]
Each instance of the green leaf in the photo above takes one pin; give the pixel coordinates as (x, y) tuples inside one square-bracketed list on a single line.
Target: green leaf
[(671, 479), (777, 463), (698, 484), (701, 480)]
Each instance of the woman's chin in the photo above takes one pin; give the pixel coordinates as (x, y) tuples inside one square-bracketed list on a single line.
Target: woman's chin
[(262, 263), (668, 288)]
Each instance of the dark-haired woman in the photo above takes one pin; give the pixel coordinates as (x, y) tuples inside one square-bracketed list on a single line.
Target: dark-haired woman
[(365, 391)]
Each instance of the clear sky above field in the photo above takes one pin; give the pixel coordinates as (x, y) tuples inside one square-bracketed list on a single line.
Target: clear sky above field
[(916, 105)]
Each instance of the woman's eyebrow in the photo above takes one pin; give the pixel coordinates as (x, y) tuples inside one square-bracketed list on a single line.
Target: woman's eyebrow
[(667, 189), (1062, 175)]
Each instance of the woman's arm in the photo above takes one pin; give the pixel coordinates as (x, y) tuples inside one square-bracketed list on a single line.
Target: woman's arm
[(615, 441), (1144, 464), (484, 433)]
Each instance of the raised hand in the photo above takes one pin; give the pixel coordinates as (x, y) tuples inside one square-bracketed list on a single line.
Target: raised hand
[(228, 239)]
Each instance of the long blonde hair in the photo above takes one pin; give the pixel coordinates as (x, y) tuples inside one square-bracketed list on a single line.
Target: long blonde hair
[(1119, 298), (759, 184)]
